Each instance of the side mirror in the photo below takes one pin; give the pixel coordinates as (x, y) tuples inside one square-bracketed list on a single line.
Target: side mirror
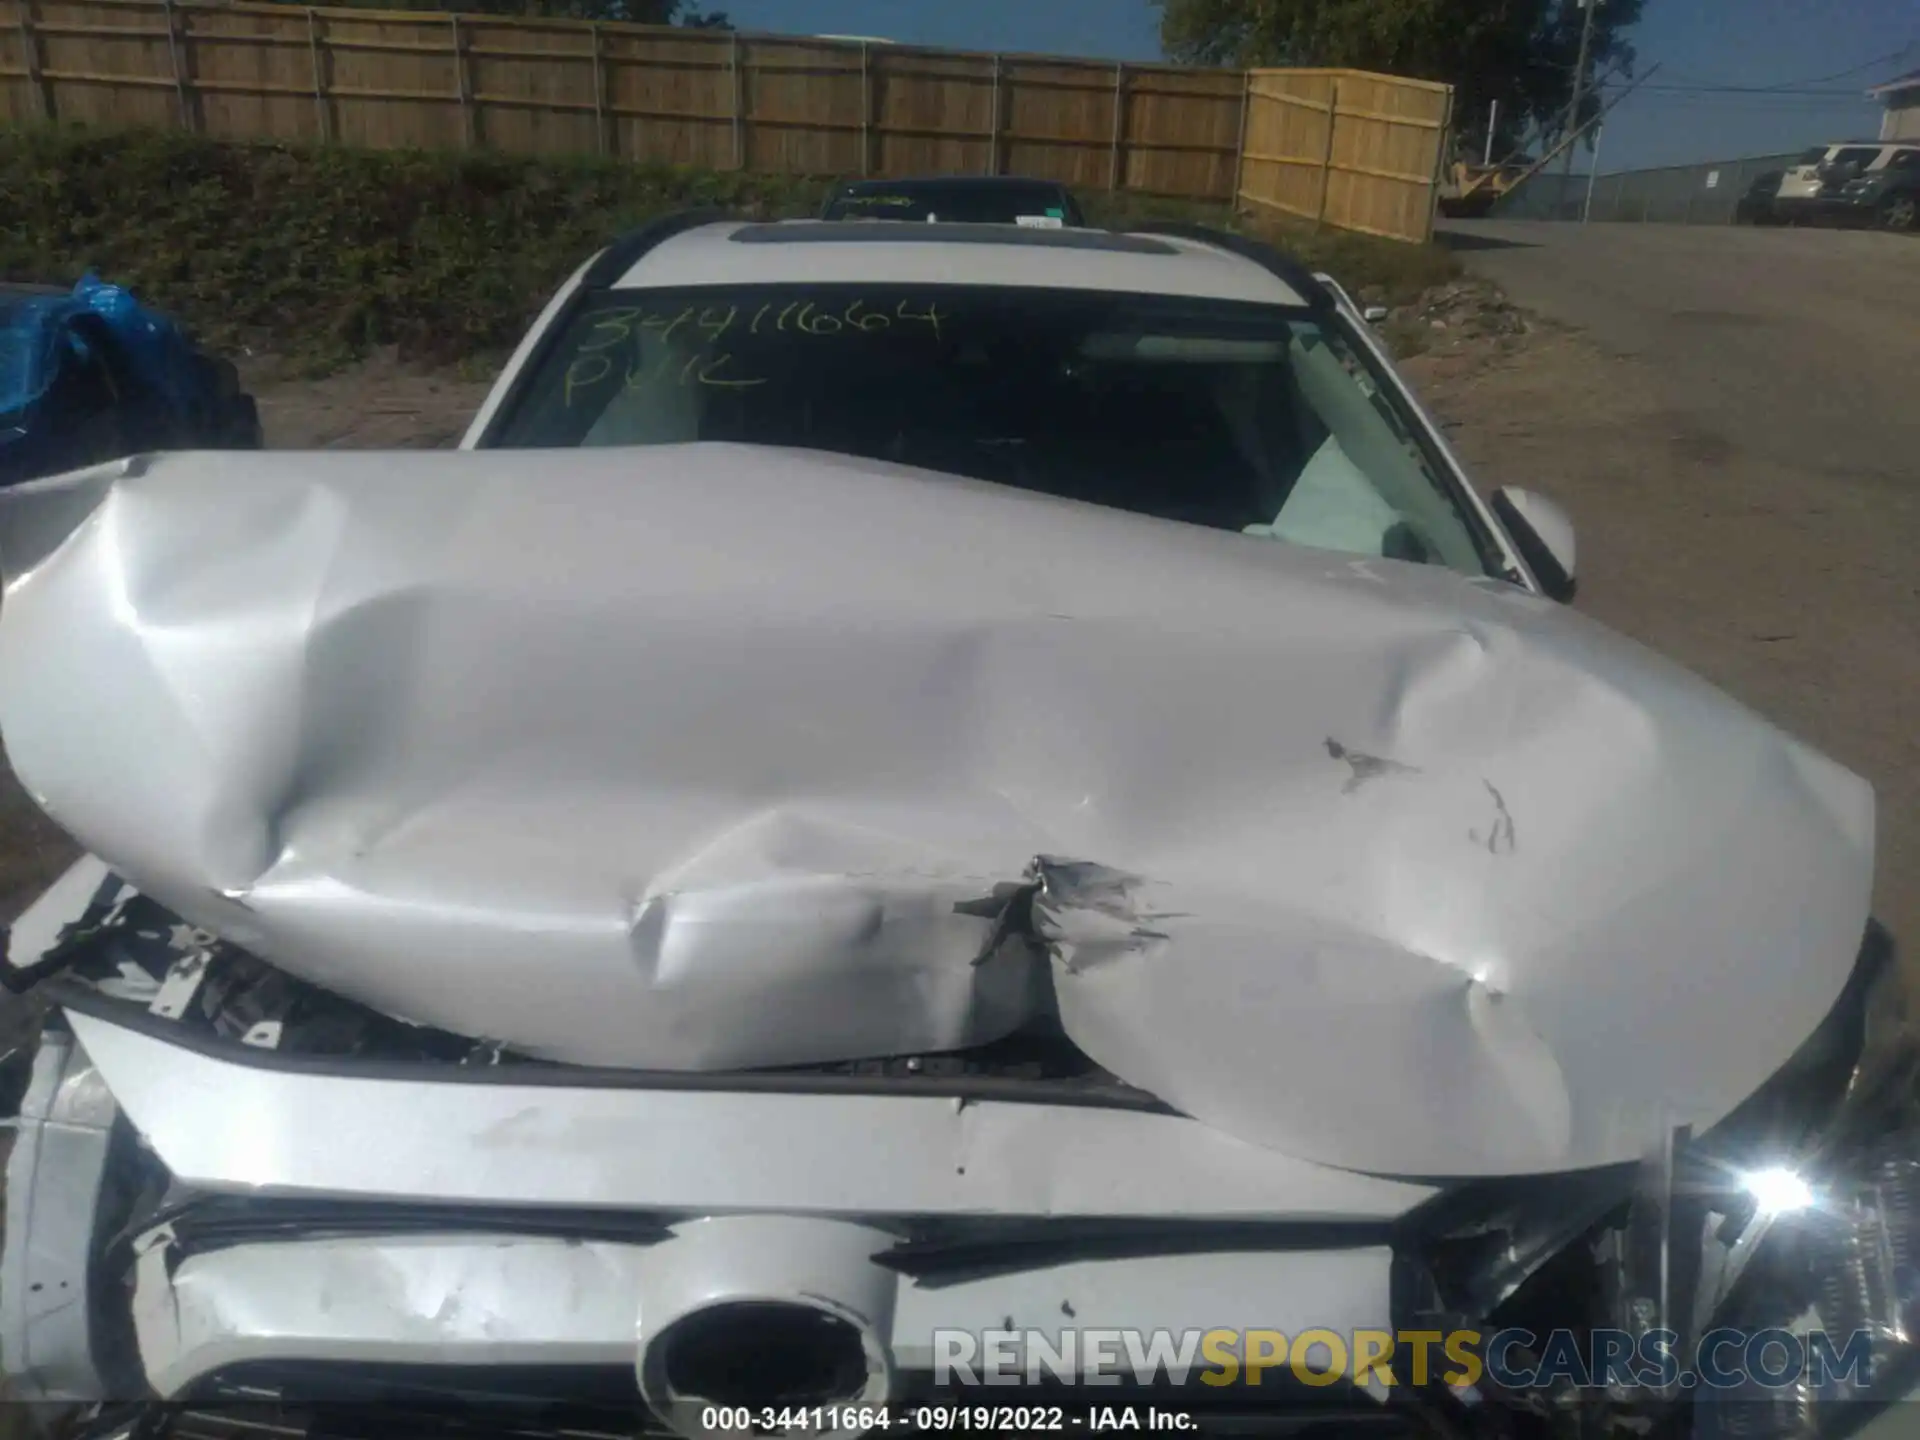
[(1543, 534), (1374, 314)]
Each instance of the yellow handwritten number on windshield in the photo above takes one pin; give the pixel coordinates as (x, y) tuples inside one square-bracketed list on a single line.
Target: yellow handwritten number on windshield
[(582, 373), (614, 327)]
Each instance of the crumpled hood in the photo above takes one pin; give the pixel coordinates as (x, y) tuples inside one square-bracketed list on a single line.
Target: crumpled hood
[(707, 757)]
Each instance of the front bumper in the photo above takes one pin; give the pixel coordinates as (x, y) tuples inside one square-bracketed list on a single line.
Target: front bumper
[(1837, 208), (308, 1226), (313, 1223)]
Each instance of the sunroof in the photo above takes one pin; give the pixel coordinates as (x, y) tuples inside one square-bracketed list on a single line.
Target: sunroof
[(901, 232)]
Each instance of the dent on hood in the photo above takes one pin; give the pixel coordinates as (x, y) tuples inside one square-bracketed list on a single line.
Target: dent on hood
[(711, 757)]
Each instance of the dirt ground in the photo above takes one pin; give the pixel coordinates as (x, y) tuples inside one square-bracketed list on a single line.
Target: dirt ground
[(1733, 427)]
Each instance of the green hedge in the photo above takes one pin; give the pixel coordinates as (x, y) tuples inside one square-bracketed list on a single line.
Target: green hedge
[(321, 252), (325, 251)]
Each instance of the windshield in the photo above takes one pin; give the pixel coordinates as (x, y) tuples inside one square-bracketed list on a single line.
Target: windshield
[(955, 204), (1240, 417), (1861, 155)]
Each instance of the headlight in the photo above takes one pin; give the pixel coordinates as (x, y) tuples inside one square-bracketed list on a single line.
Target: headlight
[(1834, 1229), (1837, 1088), (1841, 1276), (1799, 1212)]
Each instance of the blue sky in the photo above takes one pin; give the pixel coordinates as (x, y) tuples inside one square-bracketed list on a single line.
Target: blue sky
[(1700, 42)]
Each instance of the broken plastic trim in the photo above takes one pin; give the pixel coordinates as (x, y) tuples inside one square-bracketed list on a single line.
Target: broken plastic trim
[(983, 1088), (203, 1223), (70, 944), (970, 1252)]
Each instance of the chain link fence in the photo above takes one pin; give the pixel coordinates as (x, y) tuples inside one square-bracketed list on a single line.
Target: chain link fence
[(1703, 194)]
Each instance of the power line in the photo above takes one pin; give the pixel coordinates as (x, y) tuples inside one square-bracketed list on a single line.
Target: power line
[(1795, 104), (1891, 56), (1759, 90)]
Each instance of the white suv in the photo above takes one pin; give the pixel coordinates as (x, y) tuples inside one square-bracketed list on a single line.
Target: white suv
[(1845, 182)]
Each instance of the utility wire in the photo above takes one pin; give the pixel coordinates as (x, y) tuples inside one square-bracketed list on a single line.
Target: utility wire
[(1761, 91), (1900, 54)]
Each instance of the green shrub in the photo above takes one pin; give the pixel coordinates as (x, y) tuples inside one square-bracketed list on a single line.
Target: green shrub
[(326, 251), (322, 252)]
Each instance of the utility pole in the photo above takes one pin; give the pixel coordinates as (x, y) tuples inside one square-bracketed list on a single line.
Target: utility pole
[(1493, 123), (1587, 8), (1593, 173)]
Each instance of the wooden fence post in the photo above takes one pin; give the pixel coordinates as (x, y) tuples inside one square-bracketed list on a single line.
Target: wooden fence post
[(993, 123), (30, 54), (1119, 125), (600, 137), (866, 109), (469, 130), (1236, 184), (739, 103), (319, 77), (1438, 178), (1326, 159), (181, 103)]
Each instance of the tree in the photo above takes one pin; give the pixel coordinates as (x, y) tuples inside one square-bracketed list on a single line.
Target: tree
[(1521, 53)]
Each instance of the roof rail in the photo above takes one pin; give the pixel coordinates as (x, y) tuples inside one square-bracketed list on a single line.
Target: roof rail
[(628, 250), (1274, 261)]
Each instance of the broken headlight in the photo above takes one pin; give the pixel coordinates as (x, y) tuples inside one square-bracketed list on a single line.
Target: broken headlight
[(1833, 1224)]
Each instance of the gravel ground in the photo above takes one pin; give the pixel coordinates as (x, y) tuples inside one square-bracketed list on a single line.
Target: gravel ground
[(1733, 426)]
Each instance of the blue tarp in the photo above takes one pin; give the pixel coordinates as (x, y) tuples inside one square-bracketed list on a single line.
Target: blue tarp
[(37, 339)]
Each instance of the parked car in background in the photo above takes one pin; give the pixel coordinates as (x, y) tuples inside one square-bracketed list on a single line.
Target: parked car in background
[(91, 374), (1864, 183), (1756, 206), (962, 199), (1808, 175), (1887, 193)]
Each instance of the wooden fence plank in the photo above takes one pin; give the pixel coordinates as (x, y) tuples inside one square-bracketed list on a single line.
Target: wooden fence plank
[(30, 57), (1363, 157), (993, 121), (600, 133), (189, 115), (1326, 158), (1346, 148), (866, 109), (463, 88), (322, 120), (739, 104)]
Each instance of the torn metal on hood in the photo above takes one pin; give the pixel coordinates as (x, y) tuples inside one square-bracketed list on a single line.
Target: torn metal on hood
[(714, 757)]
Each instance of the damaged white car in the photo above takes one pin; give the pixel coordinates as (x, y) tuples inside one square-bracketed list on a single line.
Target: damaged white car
[(915, 782)]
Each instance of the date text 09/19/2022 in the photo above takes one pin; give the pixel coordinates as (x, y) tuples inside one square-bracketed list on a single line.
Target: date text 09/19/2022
[(937, 1419)]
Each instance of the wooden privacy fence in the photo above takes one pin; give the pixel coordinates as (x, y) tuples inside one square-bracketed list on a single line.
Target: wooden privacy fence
[(417, 79), (1346, 148)]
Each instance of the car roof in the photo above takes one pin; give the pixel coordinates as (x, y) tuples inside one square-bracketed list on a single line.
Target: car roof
[(950, 182), (797, 252)]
